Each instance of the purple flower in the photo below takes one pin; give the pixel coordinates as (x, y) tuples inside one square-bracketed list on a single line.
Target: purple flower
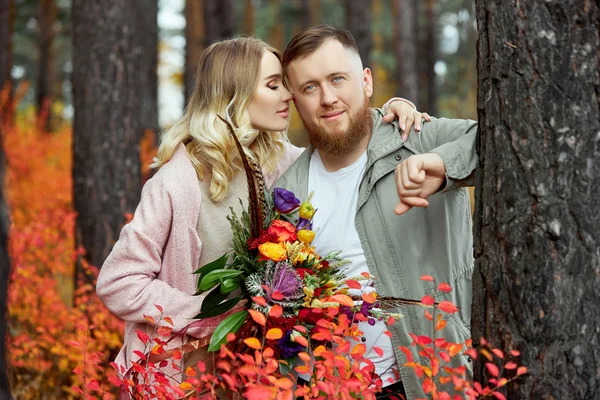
[(285, 201), (287, 281), (287, 348), (304, 224)]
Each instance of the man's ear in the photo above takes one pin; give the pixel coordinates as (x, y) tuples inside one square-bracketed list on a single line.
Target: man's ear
[(368, 82)]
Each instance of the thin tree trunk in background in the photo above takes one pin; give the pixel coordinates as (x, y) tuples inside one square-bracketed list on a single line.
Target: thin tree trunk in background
[(537, 226), (276, 33), (45, 78), (427, 55), (358, 21), (218, 20), (6, 31), (310, 13), (4, 275), (146, 32), (108, 122), (194, 42), (405, 38), (249, 18)]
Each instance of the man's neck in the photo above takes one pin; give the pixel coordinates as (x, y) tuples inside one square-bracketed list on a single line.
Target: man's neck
[(335, 162)]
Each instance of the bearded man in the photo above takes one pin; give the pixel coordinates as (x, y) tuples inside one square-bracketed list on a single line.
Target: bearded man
[(397, 209)]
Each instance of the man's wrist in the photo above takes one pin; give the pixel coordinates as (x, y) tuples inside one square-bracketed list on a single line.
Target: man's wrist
[(390, 101)]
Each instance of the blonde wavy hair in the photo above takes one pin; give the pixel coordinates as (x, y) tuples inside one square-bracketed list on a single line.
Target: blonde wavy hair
[(226, 81)]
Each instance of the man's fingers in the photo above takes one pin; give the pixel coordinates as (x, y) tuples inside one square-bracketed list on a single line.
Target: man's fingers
[(389, 117), (426, 117), (415, 201), (401, 208)]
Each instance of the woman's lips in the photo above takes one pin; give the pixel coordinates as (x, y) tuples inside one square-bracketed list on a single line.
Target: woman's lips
[(284, 113)]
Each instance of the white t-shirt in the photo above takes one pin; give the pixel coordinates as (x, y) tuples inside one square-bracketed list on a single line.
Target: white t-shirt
[(335, 196)]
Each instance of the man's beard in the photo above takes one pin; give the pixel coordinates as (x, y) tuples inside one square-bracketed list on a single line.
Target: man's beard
[(336, 142)]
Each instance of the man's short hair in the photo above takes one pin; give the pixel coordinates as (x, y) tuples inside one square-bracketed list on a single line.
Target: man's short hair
[(310, 39)]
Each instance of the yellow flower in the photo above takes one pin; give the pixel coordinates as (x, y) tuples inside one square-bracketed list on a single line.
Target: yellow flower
[(306, 210), (306, 236), (274, 251)]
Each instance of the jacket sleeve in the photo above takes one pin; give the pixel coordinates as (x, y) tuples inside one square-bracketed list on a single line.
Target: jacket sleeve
[(454, 140), (128, 283)]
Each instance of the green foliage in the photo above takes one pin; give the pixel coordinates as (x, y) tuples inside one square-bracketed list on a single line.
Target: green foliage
[(229, 325)]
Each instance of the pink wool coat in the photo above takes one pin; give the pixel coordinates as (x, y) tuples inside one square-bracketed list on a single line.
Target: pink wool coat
[(153, 260)]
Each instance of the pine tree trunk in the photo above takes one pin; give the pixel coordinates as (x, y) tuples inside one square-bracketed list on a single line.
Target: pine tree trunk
[(358, 21), (6, 30), (45, 78), (427, 55), (194, 42), (537, 226), (218, 20), (249, 18), (108, 85), (406, 40), (147, 39)]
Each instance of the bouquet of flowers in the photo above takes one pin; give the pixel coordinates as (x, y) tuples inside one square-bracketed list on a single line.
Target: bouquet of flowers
[(276, 278)]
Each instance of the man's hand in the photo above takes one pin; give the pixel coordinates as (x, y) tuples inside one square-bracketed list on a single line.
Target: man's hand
[(407, 116), (417, 178)]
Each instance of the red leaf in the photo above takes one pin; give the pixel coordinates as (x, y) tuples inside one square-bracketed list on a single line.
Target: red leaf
[(521, 370), (260, 301), (258, 317), (448, 307), (510, 365), (352, 284), (277, 295), (143, 336), (168, 320), (444, 287), (159, 308), (378, 350), (427, 278), (498, 395), (492, 368), (276, 311), (498, 353), (427, 300), (515, 353)]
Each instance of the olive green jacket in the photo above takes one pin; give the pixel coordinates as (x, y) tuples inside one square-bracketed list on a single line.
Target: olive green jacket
[(400, 249)]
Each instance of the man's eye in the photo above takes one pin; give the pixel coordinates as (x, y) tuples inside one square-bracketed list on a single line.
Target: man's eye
[(337, 78), (308, 88)]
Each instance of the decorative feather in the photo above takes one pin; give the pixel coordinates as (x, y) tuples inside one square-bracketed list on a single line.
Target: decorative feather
[(256, 186), (395, 302)]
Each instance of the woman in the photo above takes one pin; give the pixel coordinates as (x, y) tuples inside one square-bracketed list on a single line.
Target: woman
[(180, 222)]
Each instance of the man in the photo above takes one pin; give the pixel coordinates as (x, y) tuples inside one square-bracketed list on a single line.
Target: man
[(357, 166)]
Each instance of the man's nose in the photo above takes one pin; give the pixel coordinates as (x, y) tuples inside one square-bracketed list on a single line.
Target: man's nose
[(328, 96)]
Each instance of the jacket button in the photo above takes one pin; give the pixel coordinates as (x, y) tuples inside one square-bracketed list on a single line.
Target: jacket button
[(398, 157)]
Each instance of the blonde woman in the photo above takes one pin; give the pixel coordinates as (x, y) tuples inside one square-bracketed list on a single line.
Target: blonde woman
[(180, 222)]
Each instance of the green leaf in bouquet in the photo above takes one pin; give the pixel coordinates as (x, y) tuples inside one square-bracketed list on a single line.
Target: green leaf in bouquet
[(229, 325), (216, 276), (212, 299), (219, 263), (218, 309), (229, 285)]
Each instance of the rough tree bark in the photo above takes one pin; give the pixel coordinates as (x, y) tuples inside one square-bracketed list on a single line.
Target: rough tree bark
[(405, 47), (358, 21), (45, 77), (218, 20), (146, 31), (4, 275), (108, 86), (537, 233)]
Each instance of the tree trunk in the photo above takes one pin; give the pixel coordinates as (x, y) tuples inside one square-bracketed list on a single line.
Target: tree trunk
[(310, 13), (537, 226), (427, 55), (45, 78), (218, 20), (146, 33), (4, 274), (6, 30), (358, 21), (194, 42), (405, 37), (249, 18), (108, 85)]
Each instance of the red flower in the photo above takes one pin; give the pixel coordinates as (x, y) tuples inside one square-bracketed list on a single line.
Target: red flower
[(263, 238), (303, 271), (285, 231), (307, 316)]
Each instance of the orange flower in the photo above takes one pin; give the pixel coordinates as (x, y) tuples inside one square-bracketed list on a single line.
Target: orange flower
[(273, 251), (285, 231)]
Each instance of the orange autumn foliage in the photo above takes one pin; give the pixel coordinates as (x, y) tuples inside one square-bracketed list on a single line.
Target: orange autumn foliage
[(51, 328)]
